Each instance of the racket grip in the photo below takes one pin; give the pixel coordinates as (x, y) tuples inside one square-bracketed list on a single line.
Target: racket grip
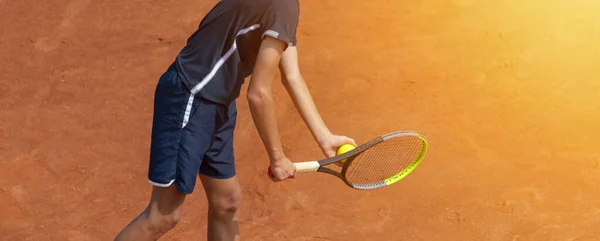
[(312, 166)]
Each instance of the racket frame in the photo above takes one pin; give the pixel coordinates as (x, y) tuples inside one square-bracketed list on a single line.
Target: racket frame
[(320, 166)]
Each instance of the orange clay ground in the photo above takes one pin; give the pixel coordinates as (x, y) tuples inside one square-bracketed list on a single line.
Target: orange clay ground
[(507, 92)]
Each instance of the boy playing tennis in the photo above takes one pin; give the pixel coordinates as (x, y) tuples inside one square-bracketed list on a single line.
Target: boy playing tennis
[(195, 113)]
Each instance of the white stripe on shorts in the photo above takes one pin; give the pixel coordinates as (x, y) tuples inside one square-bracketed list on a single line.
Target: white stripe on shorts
[(160, 184)]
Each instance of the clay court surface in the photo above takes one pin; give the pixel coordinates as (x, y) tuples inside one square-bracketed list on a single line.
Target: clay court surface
[(507, 92)]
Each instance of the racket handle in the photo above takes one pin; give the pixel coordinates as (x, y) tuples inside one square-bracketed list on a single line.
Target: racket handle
[(311, 166)]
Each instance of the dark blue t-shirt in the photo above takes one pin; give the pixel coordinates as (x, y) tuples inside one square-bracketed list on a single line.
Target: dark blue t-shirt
[(223, 50)]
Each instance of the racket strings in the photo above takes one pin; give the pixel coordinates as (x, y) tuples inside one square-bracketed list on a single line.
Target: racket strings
[(384, 160)]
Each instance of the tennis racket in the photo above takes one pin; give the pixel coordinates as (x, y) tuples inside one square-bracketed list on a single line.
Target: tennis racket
[(378, 163)]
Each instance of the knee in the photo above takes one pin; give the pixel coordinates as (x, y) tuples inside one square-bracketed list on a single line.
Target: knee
[(170, 220), (226, 204), (163, 222)]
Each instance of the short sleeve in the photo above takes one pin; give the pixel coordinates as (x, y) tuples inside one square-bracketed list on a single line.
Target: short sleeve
[(281, 20)]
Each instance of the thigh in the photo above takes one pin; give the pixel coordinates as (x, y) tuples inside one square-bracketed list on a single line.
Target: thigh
[(177, 150), (219, 160), (170, 100)]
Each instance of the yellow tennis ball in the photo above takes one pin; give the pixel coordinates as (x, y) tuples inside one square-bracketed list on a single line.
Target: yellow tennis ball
[(343, 149)]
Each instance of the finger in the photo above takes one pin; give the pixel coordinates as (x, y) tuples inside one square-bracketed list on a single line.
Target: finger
[(273, 178), (344, 140), (351, 141)]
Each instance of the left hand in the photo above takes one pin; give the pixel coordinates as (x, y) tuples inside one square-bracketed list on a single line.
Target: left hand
[(331, 143)]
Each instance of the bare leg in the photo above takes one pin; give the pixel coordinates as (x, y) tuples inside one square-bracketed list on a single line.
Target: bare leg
[(224, 196), (161, 215)]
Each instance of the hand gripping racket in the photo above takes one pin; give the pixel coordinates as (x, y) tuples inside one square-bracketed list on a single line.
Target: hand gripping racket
[(378, 163)]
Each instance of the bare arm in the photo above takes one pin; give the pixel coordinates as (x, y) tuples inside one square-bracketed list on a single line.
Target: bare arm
[(298, 91), (260, 97)]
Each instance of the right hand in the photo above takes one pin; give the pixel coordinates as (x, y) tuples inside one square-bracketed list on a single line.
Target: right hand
[(282, 169)]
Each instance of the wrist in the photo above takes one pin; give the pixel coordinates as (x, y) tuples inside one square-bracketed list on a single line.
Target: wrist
[(322, 136), (276, 157)]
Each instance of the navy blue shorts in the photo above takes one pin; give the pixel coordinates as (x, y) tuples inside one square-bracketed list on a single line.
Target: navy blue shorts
[(190, 135)]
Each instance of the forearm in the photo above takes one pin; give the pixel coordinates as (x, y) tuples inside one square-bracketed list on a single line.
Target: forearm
[(303, 101), (263, 114)]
